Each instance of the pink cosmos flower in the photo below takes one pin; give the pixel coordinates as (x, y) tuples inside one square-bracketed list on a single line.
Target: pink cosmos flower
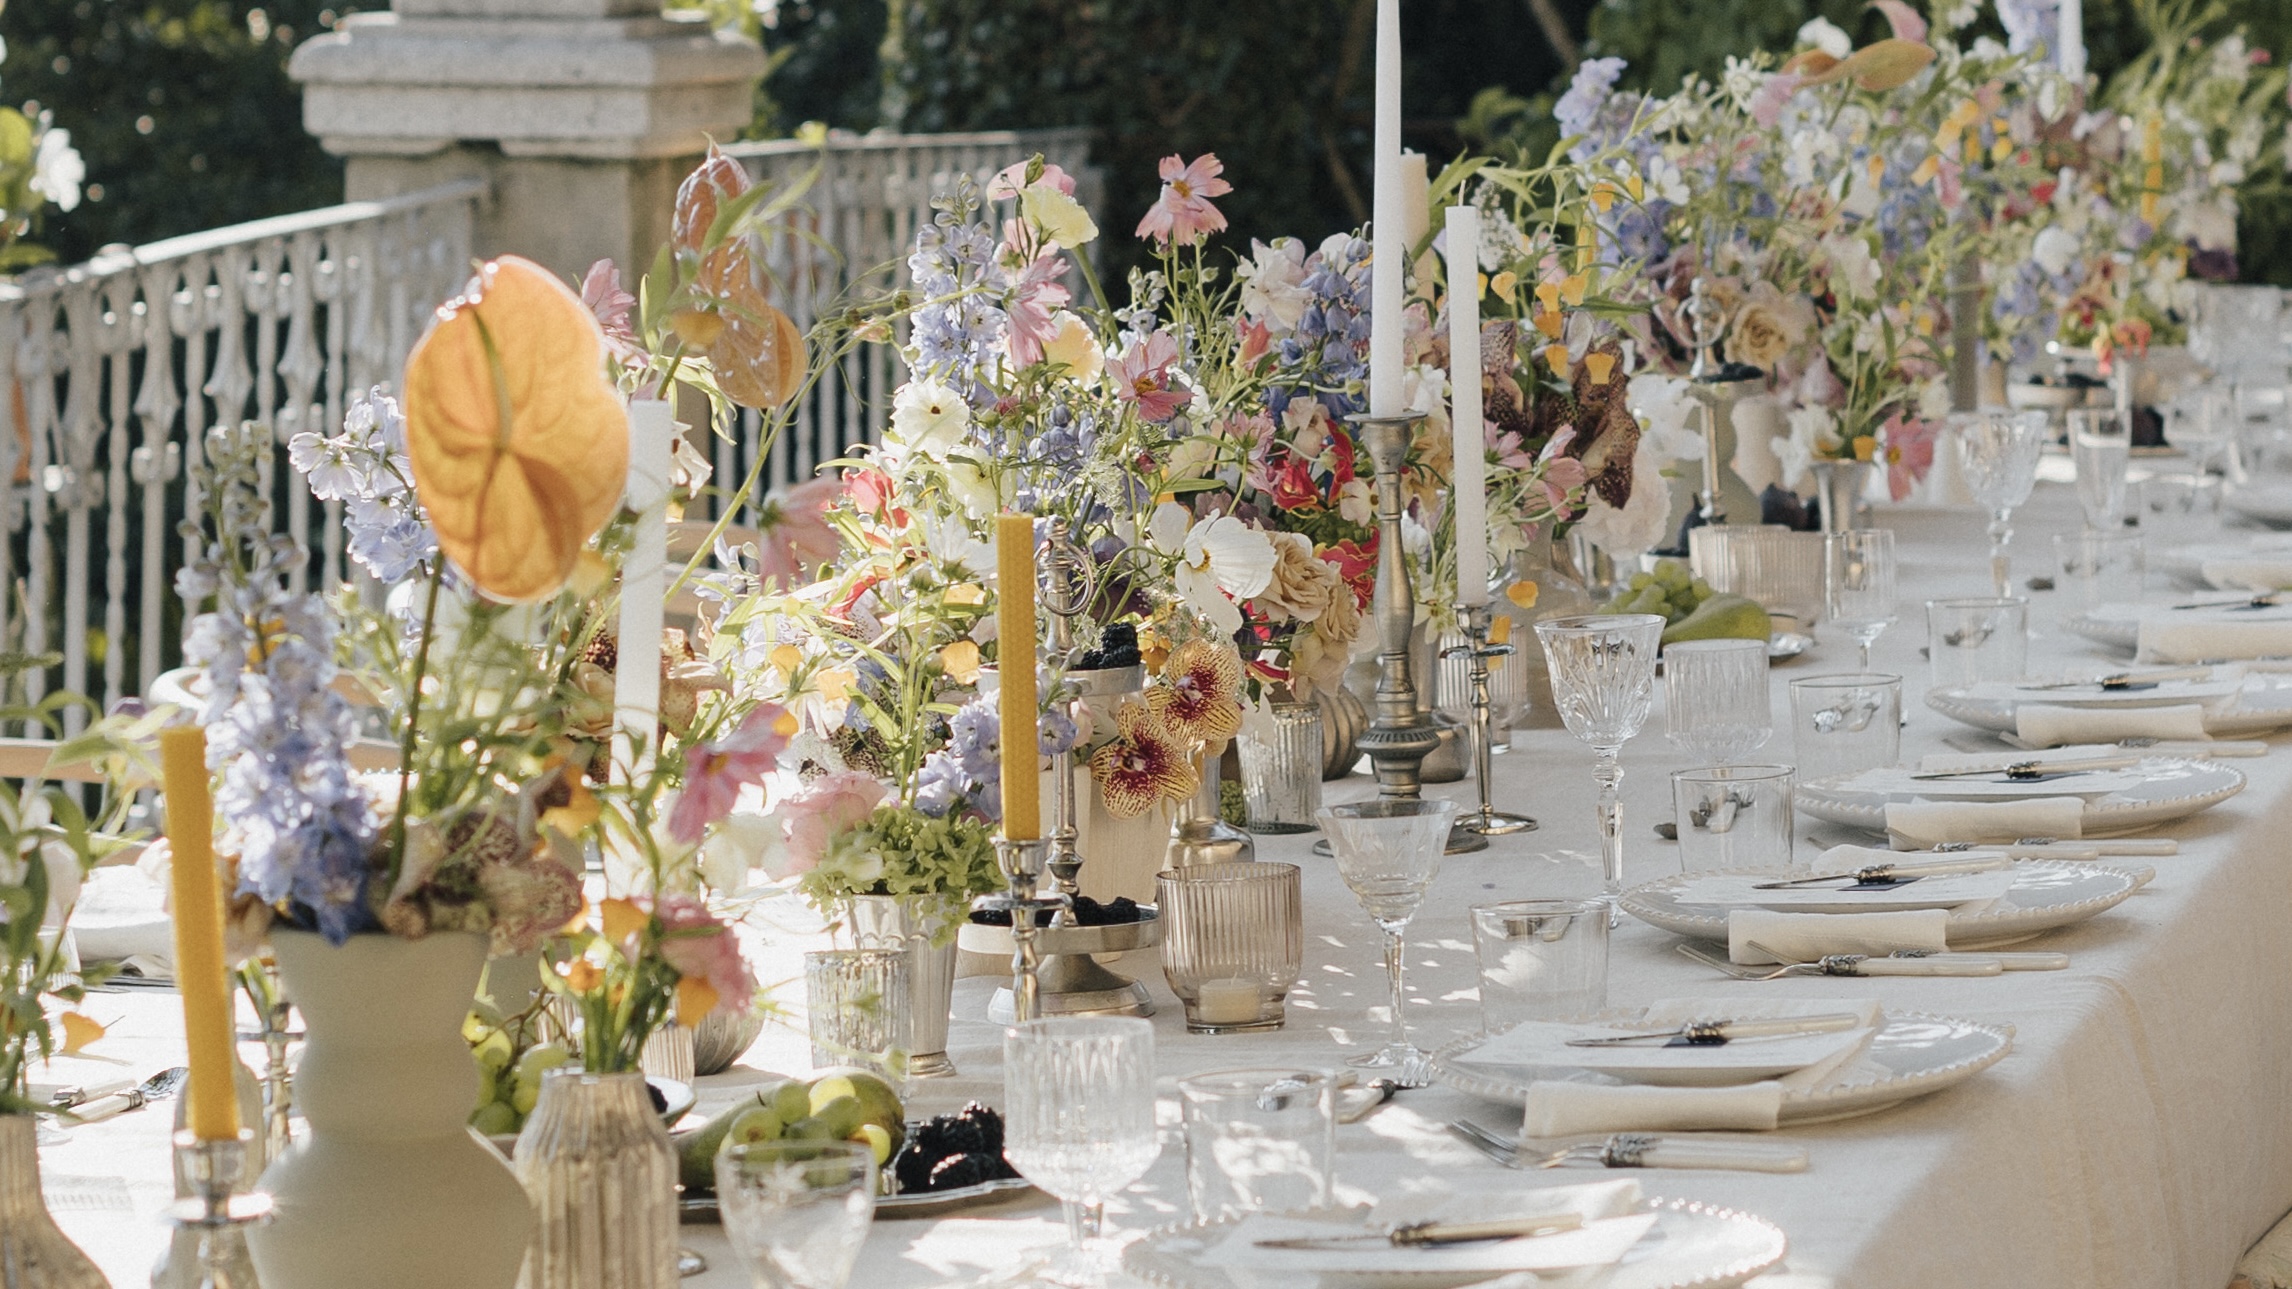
[(797, 535), (822, 810), (1184, 213), (1038, 296), (1909, 448), (1562, 474), (714, 773), (601, 291), (1767, 102), (700, 947), (1142, 376)]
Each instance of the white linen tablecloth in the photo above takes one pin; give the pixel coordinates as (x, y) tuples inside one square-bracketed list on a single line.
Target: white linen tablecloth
[(2138, 1136)]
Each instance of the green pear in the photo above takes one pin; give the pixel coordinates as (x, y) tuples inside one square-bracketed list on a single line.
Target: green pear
[(1722, 617)]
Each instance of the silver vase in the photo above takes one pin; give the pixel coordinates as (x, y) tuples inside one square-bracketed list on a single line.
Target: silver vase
[(598, 1165), (890, 922), (1198, 835), (1838, 492), (34, 1252)]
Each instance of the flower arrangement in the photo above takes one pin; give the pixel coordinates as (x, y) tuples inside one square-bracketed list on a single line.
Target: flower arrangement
[(38, 167)]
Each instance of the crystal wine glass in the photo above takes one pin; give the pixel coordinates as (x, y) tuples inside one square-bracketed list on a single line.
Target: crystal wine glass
[(1078, 1119), (1999, 450), (1859, 584), (1388, 851), (2101, 449), (1715, 692), (1603, 682)]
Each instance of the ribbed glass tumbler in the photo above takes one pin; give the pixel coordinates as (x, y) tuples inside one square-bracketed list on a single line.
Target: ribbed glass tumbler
[(1233, 940), (857, 1004), (1281, 760)]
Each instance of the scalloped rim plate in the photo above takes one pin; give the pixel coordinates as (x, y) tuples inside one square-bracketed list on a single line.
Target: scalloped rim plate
[(701, 1210), (2176, 788), (1692, 1246), (2046, 893), (2264, 707), (1922, 1053)]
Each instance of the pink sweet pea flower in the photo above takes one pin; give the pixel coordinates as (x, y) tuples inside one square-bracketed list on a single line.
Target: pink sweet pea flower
[(1011, 178), (601, 292), (1034, 301), (797, 535), (714, 773), (702, 948), (1142, 376), (822, 810), (1184, 213), (1768, 100)]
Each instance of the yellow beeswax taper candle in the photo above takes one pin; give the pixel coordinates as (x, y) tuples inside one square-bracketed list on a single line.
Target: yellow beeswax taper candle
[(208, 1026), (1015, 630)]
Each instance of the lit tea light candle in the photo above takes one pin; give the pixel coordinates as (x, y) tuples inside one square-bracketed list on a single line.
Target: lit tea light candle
[(1233, 1001)]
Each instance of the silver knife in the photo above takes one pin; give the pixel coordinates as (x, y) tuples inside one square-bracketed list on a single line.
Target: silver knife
[(2129, 679), (1635, 1150), (2055, 848), (1434, 1235), (2036, 771), (1710, 1033), (1897, 874)]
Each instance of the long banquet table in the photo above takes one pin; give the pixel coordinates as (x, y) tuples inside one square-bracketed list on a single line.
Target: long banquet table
[(2138, 1134)]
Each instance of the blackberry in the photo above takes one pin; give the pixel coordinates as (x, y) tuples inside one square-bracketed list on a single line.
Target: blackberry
[(988, 1126), (959, 1170), (948, 1134), (912, 1170)]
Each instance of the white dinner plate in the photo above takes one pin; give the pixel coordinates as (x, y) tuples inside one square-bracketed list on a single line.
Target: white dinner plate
[(2269, 503), (1912, 1054), (2185, 563), (2262, 707), (2045, 894), (1543, 1045), (2170, 788), (1693, 1246), (2116, 625)]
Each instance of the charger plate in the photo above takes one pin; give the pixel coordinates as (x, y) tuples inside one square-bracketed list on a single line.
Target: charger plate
[(1912, 1054), (2174, 788), (1692, 1246), (2264, 706), (2046, 893)]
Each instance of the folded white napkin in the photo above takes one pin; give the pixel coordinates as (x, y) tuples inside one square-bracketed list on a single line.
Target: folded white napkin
[(1565, 1109), (1803, 937), (2255, 572), (2046, 725), (1922, 825), (1543, 1045), (1611, 1227), (1943, 891), (122, 914), (2200, 635)]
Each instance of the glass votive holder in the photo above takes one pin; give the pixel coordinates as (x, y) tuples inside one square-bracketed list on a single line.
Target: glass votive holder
[(2099, 565), (1261, 1140), (1540, 959), (1281, 761), (1847, 724), (1976, 639), (1233, 940), (1715, 696), (856, 1006), (1733, 816), (797, 1212)]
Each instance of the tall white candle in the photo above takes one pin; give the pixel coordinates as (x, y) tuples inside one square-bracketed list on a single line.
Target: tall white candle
[(2071, 39), (1389, 221), (644, 590), (1469, 486)]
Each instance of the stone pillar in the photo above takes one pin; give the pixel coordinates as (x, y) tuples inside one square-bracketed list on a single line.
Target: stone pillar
[(582, 114)]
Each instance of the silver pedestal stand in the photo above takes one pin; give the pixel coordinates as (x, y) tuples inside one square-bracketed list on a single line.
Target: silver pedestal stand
[(1709, 385), (1487, 821)]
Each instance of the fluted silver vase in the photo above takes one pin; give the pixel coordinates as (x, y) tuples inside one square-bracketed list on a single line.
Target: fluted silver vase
[(597, 1163), (890, 922)]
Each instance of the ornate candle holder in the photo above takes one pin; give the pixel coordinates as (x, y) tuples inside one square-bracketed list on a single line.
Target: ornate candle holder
[(1023, 864), (1400, 734), (1488, 821), (217, 1214), (1710, 386)]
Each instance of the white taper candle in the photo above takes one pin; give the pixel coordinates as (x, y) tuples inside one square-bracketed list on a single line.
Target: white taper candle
[(644, 590), (1389, 219), (1468, 486)]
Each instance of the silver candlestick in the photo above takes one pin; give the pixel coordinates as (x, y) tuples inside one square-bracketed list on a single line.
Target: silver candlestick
[(217, 1214), (1706, 323), (1488, 821), (1400, 734), (1023, 864)]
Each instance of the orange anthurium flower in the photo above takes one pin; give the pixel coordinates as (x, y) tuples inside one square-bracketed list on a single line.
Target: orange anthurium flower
[(520, 446)]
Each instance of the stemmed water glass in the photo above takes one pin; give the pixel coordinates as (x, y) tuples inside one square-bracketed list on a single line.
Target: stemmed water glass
[(1603, 682), (1999, 450), (1078, 1119), (2101, 448), (1858, 584), (1388, 851)]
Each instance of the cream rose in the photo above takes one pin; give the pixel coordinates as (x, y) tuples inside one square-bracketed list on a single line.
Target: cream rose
[(1302, 583), (1318, 657), (1768, 326)]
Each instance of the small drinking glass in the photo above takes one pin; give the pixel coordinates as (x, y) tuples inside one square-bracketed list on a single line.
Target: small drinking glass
[(2101, 565), (856, 1008), (1078, 1120), (1847, 724), (1733, 816), (1259, 1141), (796, 1212), (1603, 682), (1233, 939), (1858, 578), (1388, 851), (2102, 451), (2202, 424), (1715, 692), (1977, 639), (1540, 960), (1998, 451), (1281, 757)]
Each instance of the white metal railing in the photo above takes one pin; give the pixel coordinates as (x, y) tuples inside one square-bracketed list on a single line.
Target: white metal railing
[(112, 371), (855, 228)]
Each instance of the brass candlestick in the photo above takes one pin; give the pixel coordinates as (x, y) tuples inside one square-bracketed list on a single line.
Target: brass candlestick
[(1488, 821), (217, 1214)]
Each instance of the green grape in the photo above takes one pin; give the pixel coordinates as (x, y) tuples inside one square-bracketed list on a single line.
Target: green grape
[(1701, 588), (1642, 581), (1671, 573)]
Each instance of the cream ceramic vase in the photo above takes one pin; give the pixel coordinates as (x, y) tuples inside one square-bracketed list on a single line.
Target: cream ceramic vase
[(391, 1188), (34, 1253)]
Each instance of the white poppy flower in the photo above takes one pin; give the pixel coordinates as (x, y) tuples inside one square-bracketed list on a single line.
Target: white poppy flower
[(929, 418), (1220, 560)]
